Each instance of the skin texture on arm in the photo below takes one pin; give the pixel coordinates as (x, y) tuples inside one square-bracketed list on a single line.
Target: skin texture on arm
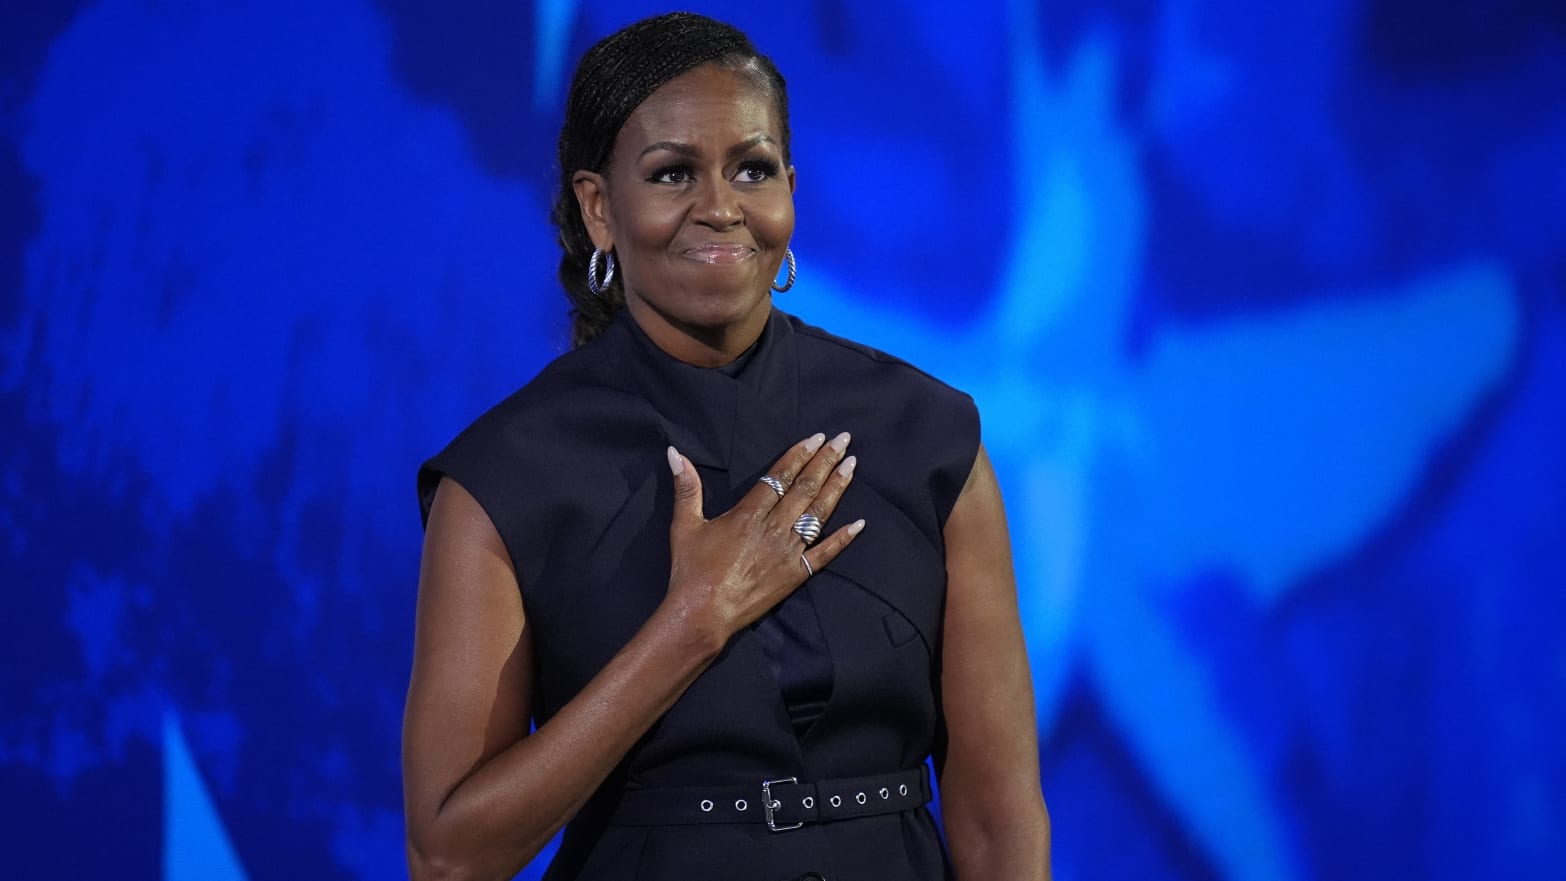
[(482, 796), (997, 827)]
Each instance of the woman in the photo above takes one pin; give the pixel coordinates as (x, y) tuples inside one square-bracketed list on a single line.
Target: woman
[(738, 646)]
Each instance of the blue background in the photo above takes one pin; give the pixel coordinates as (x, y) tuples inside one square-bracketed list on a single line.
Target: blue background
[(1264, 305)]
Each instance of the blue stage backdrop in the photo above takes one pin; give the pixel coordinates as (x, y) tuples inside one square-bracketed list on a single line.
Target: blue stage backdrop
[(1264, 305)]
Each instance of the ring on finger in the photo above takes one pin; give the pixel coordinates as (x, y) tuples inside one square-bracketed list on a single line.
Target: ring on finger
[(774, 483), (808, 568), (809, 528)]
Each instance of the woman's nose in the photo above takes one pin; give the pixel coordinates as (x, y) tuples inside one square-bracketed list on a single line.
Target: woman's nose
[(717, 205)]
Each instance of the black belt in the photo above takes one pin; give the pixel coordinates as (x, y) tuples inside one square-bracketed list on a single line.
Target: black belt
[(780, 803)]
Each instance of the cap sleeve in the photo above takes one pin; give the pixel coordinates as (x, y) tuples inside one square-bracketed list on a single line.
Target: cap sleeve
[(486, 460), (957, 448)]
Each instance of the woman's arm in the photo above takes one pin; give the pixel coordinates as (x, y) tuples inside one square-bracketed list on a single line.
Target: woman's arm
[(997, 828), (482, 796)]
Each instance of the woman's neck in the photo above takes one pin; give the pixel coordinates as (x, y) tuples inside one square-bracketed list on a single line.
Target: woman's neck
[(699, 346)]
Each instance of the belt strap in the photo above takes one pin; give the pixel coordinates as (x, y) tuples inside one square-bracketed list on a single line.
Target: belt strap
[(780, 804)]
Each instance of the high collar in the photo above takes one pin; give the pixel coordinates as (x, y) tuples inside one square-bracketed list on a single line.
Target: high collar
[(740, 424)]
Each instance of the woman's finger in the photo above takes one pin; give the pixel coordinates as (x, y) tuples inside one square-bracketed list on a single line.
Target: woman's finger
[(821, 555), (785, 470), (813, 480), (825, 502), (687, 491)]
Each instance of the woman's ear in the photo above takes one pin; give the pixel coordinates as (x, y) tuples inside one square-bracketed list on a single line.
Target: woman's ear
[(592, 197)]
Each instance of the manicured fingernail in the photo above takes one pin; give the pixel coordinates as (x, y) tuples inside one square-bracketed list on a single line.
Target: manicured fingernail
[(676, 462), (847, 468), (840, 443), (814, 442), (855, 527)]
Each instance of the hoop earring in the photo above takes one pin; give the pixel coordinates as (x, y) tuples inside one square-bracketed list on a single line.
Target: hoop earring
[(593, 284), (793, 272)]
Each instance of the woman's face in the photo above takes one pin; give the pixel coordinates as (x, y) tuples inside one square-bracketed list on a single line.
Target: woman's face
[(698, 208)]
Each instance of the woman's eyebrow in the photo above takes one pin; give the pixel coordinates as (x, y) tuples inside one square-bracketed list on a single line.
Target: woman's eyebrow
[(690, 150), (753, 141), (679, 147)]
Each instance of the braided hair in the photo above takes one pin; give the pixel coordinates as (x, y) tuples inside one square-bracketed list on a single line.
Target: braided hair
[(612, 80)]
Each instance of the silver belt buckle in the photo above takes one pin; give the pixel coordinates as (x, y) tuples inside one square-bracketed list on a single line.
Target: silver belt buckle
[(770, 804)]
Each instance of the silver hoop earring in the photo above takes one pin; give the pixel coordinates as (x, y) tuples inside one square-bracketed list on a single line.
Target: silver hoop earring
[(793, 272), (599, 287)]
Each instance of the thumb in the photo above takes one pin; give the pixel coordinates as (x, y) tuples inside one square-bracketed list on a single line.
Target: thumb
[(687, 489)]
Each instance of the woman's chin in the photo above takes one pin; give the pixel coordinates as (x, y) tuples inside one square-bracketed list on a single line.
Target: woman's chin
[(718, 309)]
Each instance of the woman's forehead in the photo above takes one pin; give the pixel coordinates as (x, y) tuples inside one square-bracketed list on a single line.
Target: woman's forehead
[(706, 102)]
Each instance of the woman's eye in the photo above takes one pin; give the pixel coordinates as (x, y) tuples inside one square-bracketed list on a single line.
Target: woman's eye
[(754, 172), (673, 176)]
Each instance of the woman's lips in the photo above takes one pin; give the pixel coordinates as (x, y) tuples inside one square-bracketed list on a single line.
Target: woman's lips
[(720, 253)]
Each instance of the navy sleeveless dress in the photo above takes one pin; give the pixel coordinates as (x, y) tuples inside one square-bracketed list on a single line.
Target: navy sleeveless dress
[(840, 681)]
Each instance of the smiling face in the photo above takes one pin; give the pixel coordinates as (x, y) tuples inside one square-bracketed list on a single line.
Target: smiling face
[(697, 205)]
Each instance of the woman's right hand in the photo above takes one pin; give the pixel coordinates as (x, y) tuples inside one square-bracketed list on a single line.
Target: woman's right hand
[(729, 571)]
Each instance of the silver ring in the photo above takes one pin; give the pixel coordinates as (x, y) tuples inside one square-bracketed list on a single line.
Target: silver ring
[(777, 485), (809, 528), (808, 568)]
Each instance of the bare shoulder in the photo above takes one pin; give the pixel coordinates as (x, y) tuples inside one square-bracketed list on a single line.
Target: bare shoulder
[(978, 544), (459, 524)]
